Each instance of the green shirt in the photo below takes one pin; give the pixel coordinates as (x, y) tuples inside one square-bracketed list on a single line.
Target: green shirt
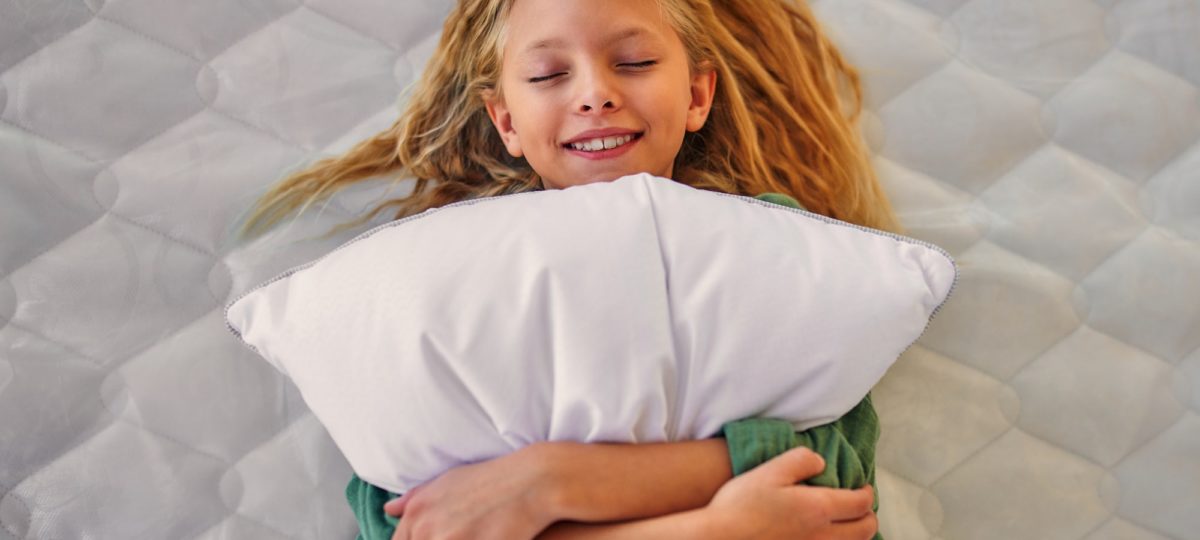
[(847, 445)]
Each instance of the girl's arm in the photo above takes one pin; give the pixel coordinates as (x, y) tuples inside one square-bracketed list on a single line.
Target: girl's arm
[(594, 490), (596, 482), (522, 493)]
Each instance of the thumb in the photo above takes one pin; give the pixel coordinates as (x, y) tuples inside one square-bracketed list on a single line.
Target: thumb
[(395, 507), (791, 467)]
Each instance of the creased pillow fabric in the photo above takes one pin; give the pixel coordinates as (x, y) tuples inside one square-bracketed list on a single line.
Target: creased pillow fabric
[(637, 310)]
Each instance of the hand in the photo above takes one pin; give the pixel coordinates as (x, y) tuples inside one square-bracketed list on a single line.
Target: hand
[(499, 498), (766, 503)]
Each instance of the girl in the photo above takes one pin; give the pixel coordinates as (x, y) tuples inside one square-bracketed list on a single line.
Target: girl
[(737, 96)]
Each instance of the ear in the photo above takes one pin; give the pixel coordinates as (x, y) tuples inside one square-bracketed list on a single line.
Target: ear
[(501, 118), (704, 87)]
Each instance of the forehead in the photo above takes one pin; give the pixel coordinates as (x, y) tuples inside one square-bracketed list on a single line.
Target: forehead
[(535, 26)]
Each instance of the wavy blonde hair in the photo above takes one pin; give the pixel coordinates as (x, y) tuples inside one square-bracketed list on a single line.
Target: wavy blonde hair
[(784, 119)]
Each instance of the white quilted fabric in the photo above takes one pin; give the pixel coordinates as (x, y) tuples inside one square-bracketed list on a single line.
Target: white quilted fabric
[(1052, 147)]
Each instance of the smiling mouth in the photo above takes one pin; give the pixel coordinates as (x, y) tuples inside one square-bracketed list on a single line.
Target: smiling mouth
[(601, 144)]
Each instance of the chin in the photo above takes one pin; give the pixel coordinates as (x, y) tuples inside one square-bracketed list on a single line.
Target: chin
[(600, 177)]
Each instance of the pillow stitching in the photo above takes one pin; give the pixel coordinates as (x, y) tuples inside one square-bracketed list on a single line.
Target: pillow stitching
[(893, 236), (751, 200), (300, 267)]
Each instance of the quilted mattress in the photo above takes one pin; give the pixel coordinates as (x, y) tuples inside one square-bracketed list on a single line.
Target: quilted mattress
[(1051, 146)]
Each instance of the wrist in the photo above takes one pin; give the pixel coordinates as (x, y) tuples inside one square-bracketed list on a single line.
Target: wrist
[(714, 523), (548, 498)]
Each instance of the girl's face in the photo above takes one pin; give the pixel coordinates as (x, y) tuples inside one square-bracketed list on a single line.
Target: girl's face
[(580, 76)]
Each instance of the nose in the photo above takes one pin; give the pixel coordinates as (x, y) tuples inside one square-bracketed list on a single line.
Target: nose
[(597, 93)]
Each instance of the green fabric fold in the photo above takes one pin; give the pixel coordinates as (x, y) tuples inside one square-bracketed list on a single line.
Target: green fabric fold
[(847, 445)]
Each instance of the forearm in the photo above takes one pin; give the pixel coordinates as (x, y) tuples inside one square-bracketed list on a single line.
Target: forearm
[(689, 524), (600, 482)]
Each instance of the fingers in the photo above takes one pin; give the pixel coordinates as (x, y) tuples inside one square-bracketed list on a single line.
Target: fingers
[(395, 507), (850, 504), (863, 528), (791, 467)]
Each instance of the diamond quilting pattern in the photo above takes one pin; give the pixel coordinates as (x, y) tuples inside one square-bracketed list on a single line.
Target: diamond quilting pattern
[(23, 30), (293, 484), (996, 126), (1146, 295), (45, 196), (954, 411), (400, 25), (1158, 481), (894, 45), (162, 387), (1005, 311), (1028, 45), (238, 526), (1113, 393), (181, 182), (1174, 195), (121, 91), (200, 30), (933, 210), (51, 420), (111, 290), (1163, 32), (1157, 119), (99, 479), (1052, 147), (1016, 487), (1119, 529), (1040, 215), (1188, 381), (907, 499), (305, 78)]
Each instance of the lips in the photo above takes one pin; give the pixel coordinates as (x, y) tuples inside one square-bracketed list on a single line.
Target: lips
[(607, 153), (600, 134)]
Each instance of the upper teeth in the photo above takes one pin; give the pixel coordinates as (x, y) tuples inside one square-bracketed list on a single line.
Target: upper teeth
[(601, 144)]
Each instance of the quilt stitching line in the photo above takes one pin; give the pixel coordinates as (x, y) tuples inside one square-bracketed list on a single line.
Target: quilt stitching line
[(96, 362), (257, 129), (298, 4), (357, 32), (1106, 470), (1116, 49), (7, 493), (38, 255), (18, 61), (129, 28), (17, 124), (130, 221), (115, 363), (185, 243), (252, 519)]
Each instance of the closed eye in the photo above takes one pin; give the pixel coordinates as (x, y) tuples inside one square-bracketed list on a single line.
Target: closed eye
[(638, 65), (645, 64), (545, 78)]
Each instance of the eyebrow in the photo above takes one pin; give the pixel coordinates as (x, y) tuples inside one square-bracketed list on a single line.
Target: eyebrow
[(555, 43)]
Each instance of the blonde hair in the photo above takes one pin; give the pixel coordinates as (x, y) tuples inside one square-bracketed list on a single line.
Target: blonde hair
[(784, 119)]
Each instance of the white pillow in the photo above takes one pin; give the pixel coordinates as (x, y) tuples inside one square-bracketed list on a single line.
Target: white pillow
[(637, 310)]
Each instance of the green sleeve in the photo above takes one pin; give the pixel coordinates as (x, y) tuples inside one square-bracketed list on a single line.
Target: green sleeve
[(847, 445), (366, 500), (780, 199)]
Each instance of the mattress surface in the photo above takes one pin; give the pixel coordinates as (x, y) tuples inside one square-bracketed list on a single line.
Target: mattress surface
[(1051, 147)]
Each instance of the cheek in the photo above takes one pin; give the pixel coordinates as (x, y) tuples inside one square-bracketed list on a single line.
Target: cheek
[(531, 124)]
